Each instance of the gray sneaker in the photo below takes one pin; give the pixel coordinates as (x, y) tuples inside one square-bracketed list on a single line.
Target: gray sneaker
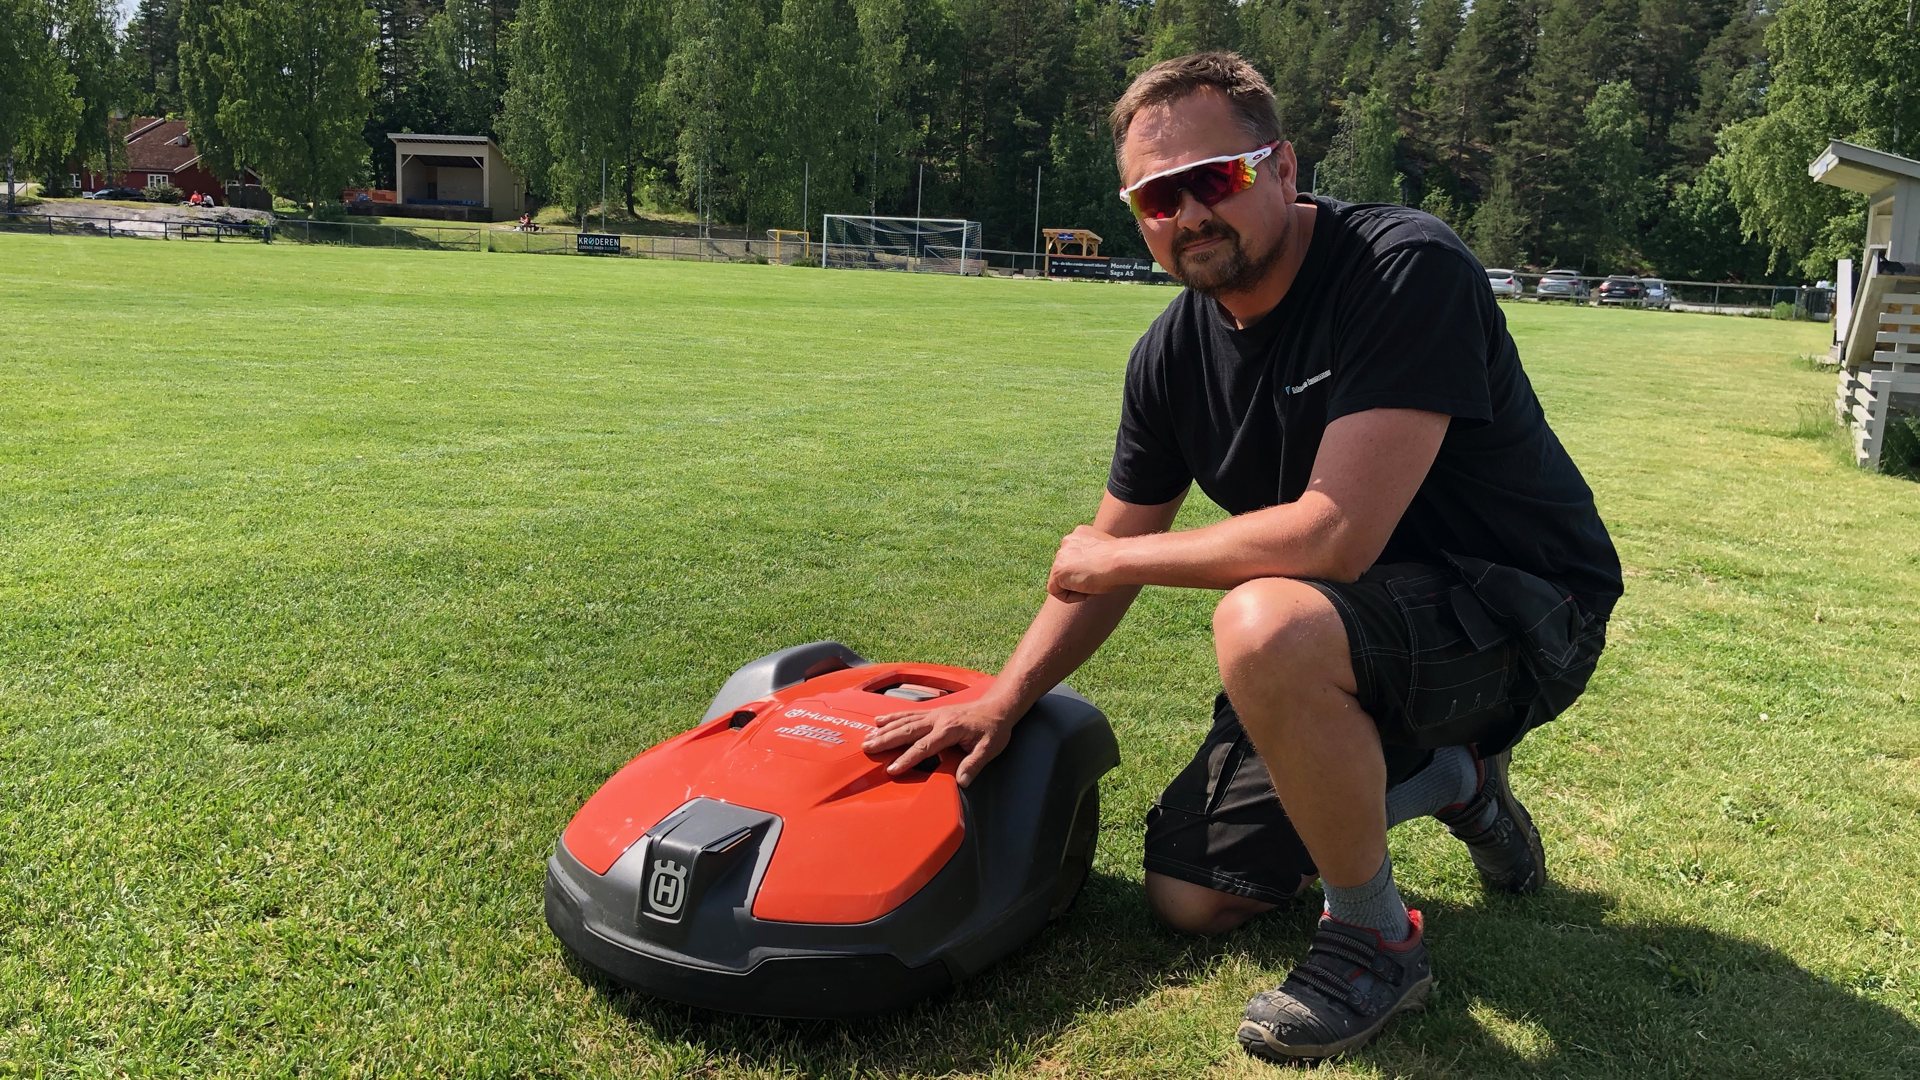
[(1507, 852), (1341, 995)]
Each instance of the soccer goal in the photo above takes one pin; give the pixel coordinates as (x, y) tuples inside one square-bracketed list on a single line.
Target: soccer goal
[(929, 245), (790, 244)]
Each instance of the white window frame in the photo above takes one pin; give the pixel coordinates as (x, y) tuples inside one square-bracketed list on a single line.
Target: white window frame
[(155, 179), (73, 181)]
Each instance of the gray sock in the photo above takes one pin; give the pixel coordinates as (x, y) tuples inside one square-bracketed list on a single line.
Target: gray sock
[(1376, 904), (1449, 779)]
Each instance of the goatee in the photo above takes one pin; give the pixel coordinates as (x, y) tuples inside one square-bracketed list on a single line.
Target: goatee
[(1225, 266)]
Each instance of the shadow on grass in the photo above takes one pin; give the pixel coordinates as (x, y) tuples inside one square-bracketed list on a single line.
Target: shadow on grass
[(1523, 987), (1561, 986), (1105, 952)]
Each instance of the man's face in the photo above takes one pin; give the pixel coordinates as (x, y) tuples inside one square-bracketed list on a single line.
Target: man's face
[(1229, 247)]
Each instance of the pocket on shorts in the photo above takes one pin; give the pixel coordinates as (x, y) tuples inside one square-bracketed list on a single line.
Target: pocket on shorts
[(1201, 786), (1460, 660), (1549, 625)]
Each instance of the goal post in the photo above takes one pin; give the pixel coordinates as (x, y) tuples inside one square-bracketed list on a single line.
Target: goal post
[(790, 244), (924, 245)]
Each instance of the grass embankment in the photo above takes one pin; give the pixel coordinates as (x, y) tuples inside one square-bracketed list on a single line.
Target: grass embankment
[(333, 580)]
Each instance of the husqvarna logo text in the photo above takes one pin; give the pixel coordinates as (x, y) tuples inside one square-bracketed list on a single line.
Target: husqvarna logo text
[(668, 889), (827, 718)]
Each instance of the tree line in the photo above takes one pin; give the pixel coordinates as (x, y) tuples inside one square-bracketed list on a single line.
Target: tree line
[(1668, 136)]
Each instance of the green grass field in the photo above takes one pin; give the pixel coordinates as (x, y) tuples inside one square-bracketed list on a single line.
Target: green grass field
[(333, 580)]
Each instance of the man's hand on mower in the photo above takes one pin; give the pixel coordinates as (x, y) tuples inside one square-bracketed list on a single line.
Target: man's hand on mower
[(979, 727)]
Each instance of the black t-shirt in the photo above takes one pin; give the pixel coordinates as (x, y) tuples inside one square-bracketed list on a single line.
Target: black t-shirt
[(1389, 310)]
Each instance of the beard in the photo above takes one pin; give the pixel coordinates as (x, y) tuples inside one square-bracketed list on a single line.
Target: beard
[(1225, 267)]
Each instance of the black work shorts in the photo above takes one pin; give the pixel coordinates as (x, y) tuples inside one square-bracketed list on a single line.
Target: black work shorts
[(1462, 653)]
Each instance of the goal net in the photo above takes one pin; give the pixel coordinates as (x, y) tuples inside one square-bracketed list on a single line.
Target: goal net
[(930, 245)]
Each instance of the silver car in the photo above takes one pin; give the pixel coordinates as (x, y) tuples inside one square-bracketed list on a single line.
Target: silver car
[(1503, 283), (1561, 285), (1657, 294)]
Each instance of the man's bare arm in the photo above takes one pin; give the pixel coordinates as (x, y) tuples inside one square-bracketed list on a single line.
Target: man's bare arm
[(1369, 466), (1067, 630)]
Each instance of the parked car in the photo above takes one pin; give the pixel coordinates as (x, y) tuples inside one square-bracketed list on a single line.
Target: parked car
[(1622, 289), (115, 193), (1657, 294), (1561, 285), (1503, 283)]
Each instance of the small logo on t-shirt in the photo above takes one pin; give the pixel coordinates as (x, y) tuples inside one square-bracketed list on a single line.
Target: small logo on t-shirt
[(1302, 388)]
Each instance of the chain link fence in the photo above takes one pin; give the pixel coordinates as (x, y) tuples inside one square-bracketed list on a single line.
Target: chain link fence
[(1719, 298), (1813, 302), (433, 236)]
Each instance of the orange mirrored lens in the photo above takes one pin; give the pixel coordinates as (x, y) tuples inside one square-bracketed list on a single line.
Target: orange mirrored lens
[(1208, 183)]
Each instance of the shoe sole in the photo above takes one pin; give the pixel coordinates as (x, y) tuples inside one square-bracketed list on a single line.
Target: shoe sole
[(1497, 775), (1260, 1042)]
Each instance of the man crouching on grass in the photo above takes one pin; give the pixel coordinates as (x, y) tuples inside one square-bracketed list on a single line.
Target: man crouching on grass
[(1414, 574)]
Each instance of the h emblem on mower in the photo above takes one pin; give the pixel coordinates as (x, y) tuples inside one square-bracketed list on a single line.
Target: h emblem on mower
[(667, 891)]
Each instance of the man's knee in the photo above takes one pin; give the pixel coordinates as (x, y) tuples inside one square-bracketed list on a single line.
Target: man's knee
[(1196, 909), (1280, 623)]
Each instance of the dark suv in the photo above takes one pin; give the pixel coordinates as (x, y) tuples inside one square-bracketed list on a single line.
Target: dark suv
[(1621, 289)]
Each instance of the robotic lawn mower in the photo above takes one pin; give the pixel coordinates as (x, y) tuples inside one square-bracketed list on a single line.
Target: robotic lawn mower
[(762, 863)]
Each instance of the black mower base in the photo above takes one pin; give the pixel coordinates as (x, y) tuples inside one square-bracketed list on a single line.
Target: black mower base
[(825, 986)]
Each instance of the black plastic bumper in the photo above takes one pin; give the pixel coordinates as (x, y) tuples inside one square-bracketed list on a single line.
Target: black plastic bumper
[(826, 985)]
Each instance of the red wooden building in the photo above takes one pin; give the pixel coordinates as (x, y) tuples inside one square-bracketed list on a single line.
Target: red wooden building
[(156, 151)]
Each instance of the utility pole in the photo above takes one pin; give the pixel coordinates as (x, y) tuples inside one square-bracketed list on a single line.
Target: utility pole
[(603, 193), (1036, 216)]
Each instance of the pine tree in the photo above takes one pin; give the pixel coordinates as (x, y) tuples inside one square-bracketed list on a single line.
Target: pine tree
[(399, 100), (1296, 46), (1666, 62), (1475, 93), (1537, 148), (152, 57), (1179, 27), (1003, 99), (461, 75), (1729, 77), (1082, 178), (1498, 228), (1436, 27)]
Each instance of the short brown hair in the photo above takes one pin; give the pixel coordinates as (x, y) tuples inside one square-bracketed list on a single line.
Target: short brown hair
[(1248, 94)]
